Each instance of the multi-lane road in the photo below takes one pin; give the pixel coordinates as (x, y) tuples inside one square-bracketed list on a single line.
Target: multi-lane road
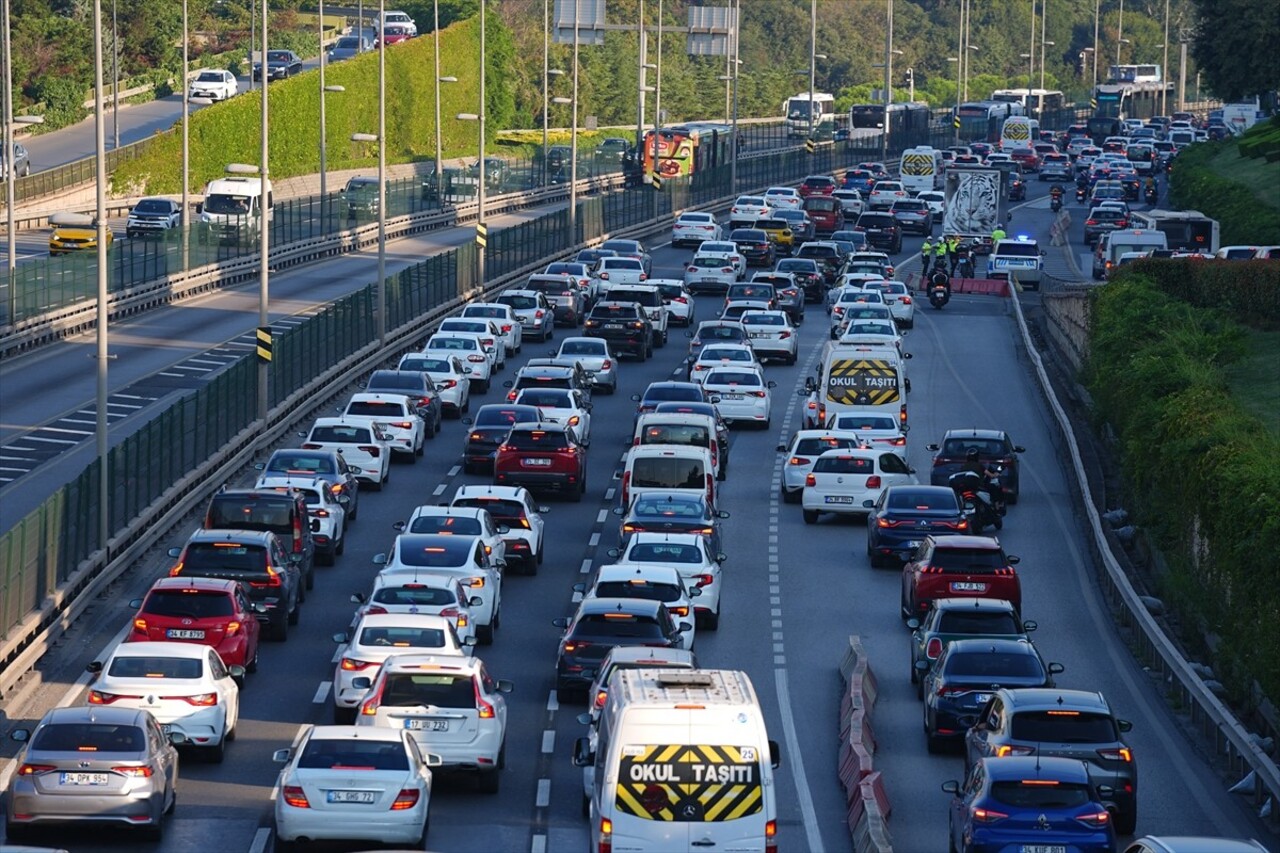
[(792, 594)]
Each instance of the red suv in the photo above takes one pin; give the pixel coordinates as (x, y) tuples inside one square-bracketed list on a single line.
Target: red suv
[(817, 185), (956, 567), (209, 611), (543, 456), (826, 212)]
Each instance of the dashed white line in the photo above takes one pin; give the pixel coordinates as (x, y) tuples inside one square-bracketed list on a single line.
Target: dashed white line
[(262, 836), (553, 701), (594, 540), (49, 440), (539, 844), (548, 741), (576, 598), (322, 693), (543, 798), (453, 472), (439, 490), (586, 567), (601, 516), (609, 493), (337, 654)]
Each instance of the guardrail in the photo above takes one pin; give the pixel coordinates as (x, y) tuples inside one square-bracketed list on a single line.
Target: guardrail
[(73, 174), (1231, 743)]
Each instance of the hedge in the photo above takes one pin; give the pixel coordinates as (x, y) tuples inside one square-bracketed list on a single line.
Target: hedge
[(1203, 475), (228, 132), (1247, 290), (1242, 218)]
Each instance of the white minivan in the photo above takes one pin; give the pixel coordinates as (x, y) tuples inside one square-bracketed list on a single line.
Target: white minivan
[(665, 467), (682, 761)]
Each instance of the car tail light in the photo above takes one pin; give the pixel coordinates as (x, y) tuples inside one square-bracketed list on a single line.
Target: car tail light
[(606, 836), (951, 691), (140, 625), (406, 799), (703, 580), (1005, 572), (506, 328), (933, 649), (476, 359), (575, 646), (293, 795), (799, 460), (605, 276), (601, 696), (726, 269), (899, 441), (606, 364), (810, 480), (369, 707), (473, 582), (760, 394), (321, 513), (200, 700), (1097, 820), (354, 664), (930, 569), (537, 315), (134, 772), (447, 383), (35, 769), (372, 449), (1005, 750), (1122, 753), (97, 697), (626, 488), (873, 482), (273, 579), (711, 487)]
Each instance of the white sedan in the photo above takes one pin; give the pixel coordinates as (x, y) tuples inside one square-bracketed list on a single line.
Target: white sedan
[(847, 481), (937, 203), (722, 355), (464, 346), (395, 415), (560, 406), (901, 304), (692, 228), (677, 299), (729, 248), (185, 686), (710, 270), (366, 784), (365, 446), (459, 521), (491, 336), (746, 210), (461, 556), (803, 450), (772, 335), (743, 392), (783, 198), (504, 316), (452, 378), (850, 203), (688, 553)]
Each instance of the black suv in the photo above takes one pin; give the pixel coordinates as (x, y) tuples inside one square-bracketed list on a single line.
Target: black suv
[(754, 245), (258, 560), (882, 230), (282, 513), (624, 325), (808, 274), (598, 626), (830, 258), (994, 448)]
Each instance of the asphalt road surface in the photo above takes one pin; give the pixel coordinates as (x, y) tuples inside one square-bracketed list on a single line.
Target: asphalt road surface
[(792, 594)]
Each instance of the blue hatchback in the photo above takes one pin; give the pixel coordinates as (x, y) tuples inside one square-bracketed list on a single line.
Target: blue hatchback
[(1015, 804), (904, 515)]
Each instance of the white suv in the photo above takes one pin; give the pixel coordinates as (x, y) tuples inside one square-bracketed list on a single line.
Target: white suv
[(395, 415), (451, 706)]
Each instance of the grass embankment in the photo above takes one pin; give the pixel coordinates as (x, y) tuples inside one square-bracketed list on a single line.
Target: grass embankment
[(1255, 378), (1234, 181), (229, 132)]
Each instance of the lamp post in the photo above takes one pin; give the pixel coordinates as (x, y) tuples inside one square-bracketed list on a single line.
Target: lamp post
[(1097, 20), (115, 74), (1119, 43), (1120, 32), (482, 171), (1164, 67), (324, 138), (547, 74), (956, 120), (380, 316), (435, 35), (1031, 51), (10, 171), (573, 139), (813, 57), (101, 319), (1043, 45), (888, 77)]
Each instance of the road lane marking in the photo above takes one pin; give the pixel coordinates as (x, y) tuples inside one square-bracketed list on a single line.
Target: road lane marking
[(553, 701), (594, 540), (539, 844), (453, 472), (261, 837), (543, 798), (548, 741), (586, 566), (322, 693), (439, 490), (602, 516)]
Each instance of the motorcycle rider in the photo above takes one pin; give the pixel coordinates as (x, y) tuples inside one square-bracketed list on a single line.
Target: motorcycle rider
[(1153, 190), (1056, 191), (940, 279), (989, 476)]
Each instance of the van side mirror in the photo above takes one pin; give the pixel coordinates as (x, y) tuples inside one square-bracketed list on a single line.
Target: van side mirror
[(775, 754), (583, 756)]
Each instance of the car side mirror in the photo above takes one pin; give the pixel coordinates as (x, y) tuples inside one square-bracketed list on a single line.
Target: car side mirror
[(933, 447), (615, 553), (508, 384), (775, 754), (340, 637), (362, 682), (379, 559), (174, 552), (502, 528), (358, 598), (1124, 725), (259, 466), (771, 384), (237, 672), (1056, 669), (585, 718), (906, 355), (868, 504), (619, 510), (468, 642), (720, 558), (94, 667), (295, 558), (467, 421), (922, 666), (583, 756), (399, 525), (722, 513), (543, 510), (199, 207), (694, 592), (1106, 792), (259, 607), (688, 334), (1012, 560), (1018, 448), (20, 735), (1029, 626), (913, 624), (951, 787), (579, 587), (135, 603), (505, 685), (561, 622)]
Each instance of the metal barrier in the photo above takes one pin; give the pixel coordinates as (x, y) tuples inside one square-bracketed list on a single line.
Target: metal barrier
[(73, 174)]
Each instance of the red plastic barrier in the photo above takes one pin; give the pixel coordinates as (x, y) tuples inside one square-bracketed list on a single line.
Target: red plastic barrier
[(860, 730), (872, 787), (855, 764), (987, 286)]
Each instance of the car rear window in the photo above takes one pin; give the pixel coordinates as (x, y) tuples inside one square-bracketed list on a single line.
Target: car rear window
[(667, 472), (504, 416), (875, 220), (444, 555), (537, 439), (501, 510), (722, 333), (613, 312), (189, 603), (664, 552), (844, 465), (414, 595), (638, 589), (341, 434), (672, 392), (353, 755), (426, 365), (824, 252), (618, 626), (971, 560), (406, 690), (1030, 795), (650, 298), (287, 462), (750, 236), (675, 434), (764, 320), (1063, 726), (930, 500), (821, 204), (544, 397), (224, 557), (519, 302), (989, 664), (733, 377), (856, 422), (816, 446), (457, 525), (89, 737), (252, 512), (155, 666), (978, 622), (398, 380), (668, 508), (984, 446), (623, 264), (376, 408), (484, 311), (396, 636)]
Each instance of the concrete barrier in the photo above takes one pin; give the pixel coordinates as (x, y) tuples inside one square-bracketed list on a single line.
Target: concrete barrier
[(868, 804), (871, 833)]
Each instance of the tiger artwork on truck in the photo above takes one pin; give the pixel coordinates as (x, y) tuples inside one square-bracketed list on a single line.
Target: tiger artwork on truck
[(972, 205)]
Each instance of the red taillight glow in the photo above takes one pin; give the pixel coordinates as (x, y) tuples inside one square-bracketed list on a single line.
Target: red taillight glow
[(293, 795), (406, 799), (354, 665), (988, 816), (1119, 754), (135, 772), (1097, 820), (873, 482), (200, 700), (35, 769), (933, 648), (810, 480)]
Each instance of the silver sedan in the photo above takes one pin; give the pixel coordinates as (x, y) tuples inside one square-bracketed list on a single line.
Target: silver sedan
[(594, 356)]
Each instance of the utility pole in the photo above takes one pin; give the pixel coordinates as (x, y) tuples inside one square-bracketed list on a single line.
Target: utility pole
[(813, 59), (888, 79)]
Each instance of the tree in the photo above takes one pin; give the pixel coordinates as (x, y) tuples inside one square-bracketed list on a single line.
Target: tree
[(1237, 51)]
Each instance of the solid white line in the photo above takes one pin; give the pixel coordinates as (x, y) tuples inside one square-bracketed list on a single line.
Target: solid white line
[(129, 397), (77, 421), (543, 798), (553, 701), (322, 693), (600, 518), (548, 741), (795, 760), (261, 837), (337, 654)]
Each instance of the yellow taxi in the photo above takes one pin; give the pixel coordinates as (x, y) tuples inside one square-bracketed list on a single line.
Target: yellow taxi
[(76, 238), (779, 231)]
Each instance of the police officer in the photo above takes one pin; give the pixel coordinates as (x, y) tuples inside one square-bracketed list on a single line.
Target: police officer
[(926, 254), (997, 234), (953, 253), (940, 254)]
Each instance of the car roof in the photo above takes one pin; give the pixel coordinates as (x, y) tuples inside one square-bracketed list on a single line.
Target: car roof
[(419, 620), (431, 661), (915, 488), (982, 604), (101, 714), (190, 651), (1052, 698), (650, 654), (243, 537), (378, 733), (195, 582), (660, 536), (1012, 768), (966, 542)]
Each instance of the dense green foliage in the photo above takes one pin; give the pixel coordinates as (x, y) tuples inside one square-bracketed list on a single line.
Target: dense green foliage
[(1243, 216), (1240, 59), (1201, 472), (229, 132), (1249, 291)]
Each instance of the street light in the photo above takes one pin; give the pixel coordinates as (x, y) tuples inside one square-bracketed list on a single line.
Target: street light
[(11, 175), (547, 74), (439, 135), (324, 138), (1119, 43), (1043, 45), (100, 314), (381, 316)]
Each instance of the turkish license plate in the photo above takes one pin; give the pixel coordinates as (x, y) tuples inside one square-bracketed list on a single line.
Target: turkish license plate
[(1043, 848), (731, 396), (84, 779), (537, 463), (350, 796), (421, 725), (758, 335), (838, 499), (613, 325), (968, 586), (184, 634)]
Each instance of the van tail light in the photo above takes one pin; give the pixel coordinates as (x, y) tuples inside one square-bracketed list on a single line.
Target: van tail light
[(485, 709), (626, 488), (293, 795), (406, 799), (711, 488), (902, 413), (810, 480), (606, 836), (771, 836), (933, 649), (372, 449), (873, 482), (1122, 753)]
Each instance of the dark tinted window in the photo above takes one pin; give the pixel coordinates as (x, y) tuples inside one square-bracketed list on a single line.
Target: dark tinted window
[(519, 302), (993, 665), (223, 558), (722, 333), (664, 552), (501, 510), (414, 594), (822, 204), (155, 205), (191, 603), (815, 446), (537, 439), (427, 365), (1063, 727), (505, 416), (402, 637), (675, 434), (250, 512), (618, 626), (669, 507), (444, 691), (613, 312), (772, 224), (155, 667), (592, 347), (818, 182), (353, 755), (288, 461), (978, 622), (445, 554), (402, 380), (1023, 795), (922, 500), (647, 298), (844, 465), (984, 446), (875, 220), (824, 252), (666, 472), (743, 235), (376, 408), (457, 525), (89, 737), (672, 392), (637, 589), (341, 434), (975, 560), (549, 398)]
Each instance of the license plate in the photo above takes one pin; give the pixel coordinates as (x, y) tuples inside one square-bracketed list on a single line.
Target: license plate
[(968, 586), (758, 335), (419, 725), (83, 779), (838, 499), (613, 325), (184, 634), (729, 396), (537, 463), (350, 796), (1043, 848)]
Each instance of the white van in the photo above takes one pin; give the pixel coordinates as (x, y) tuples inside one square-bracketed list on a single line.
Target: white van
[(1018, 132), (683, 761), (232, 208), (684, 430), (921, 169), (859, 377), (668, 466)]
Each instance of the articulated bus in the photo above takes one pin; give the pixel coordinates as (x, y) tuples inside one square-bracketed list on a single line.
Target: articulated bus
[(1036, 102), (1129, 100), (687, 149), (981, 121), (908, 121)]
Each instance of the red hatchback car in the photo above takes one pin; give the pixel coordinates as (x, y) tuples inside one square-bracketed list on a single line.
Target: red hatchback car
[(1029, 159), (955, 567), (208, 611), (542, 456), (817, 185)]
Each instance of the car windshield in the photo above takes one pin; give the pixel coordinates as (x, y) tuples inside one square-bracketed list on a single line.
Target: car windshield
[(1063, 726), (278, 56), (397, 636), (408, 690), (209, 77), (348, 43), (417, 595), (457, 525), (443, 555), (347, 755), (152, 205), (993, 664), (714, 353), (227, 205), (1030, 794), (155, 666), (732, 378), (666, 472), (190, 603), (89, 737), (664, 552), (638, 589)]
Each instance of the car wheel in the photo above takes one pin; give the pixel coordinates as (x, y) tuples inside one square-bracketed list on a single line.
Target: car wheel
[(16, 831), (215, 754), (343, 716), (484, 635), (490, 780), (339, 548), (789, 497), (1125, 821), (280, 630), (325, 558), (810, 516)]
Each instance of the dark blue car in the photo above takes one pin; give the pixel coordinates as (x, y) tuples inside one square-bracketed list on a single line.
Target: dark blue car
[(904, 515), (1020, 803), (961, 680)]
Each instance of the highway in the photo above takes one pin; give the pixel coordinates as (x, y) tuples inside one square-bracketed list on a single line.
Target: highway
[(792, 594)]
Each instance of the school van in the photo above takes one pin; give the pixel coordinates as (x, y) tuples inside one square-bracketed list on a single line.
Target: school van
[(1018, 132), (664, 467), (862, 378), (682, 761), (921, 169)]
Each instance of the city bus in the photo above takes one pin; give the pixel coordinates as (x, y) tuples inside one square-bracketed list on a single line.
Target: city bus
[(687, 149), (980, 121), (796, 111), (1184, 230), (907, 120), (1036, 102)]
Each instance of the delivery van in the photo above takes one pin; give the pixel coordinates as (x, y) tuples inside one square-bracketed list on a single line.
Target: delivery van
[(232, 209), (664, 467), (682, 761)]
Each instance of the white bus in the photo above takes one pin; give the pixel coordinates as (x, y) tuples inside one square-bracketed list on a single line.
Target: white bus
[(1018, 132), (797, 110), (1036, 102)]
